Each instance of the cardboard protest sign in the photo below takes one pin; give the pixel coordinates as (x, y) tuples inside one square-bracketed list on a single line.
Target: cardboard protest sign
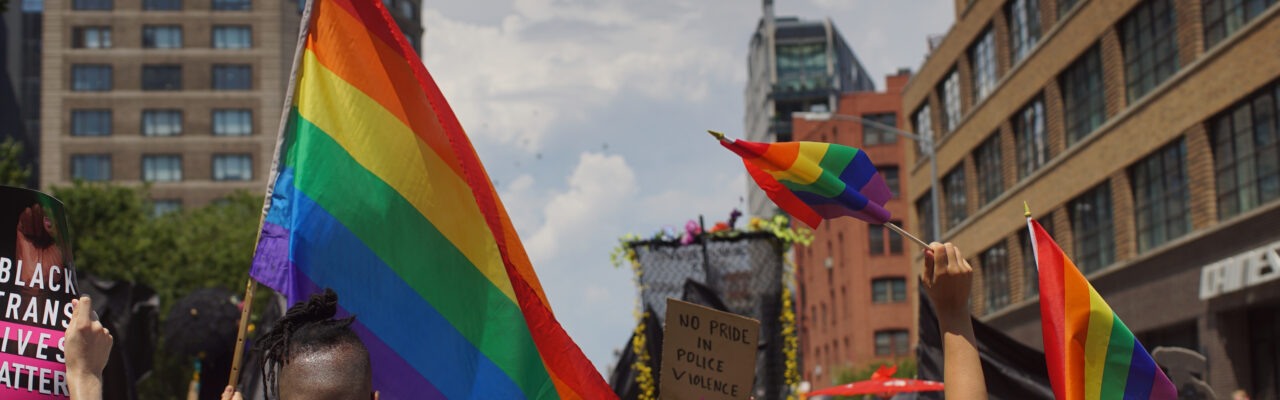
[(707, 354), (37, 284)]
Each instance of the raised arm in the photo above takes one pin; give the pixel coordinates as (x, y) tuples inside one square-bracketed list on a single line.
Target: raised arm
[(948, 279)]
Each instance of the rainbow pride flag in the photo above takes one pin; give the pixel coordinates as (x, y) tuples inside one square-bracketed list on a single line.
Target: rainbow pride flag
[(814, 181), (377, 193), (1091, 355)]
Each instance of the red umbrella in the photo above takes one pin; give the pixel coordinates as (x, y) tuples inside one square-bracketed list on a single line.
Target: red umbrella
[(882, 383)]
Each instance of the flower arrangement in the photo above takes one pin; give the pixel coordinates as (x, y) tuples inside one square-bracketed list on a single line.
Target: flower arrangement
[(781, 228)]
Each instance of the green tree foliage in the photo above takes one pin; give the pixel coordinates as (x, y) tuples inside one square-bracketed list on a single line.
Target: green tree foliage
[(906, 370), (116, 237), (12, 171)]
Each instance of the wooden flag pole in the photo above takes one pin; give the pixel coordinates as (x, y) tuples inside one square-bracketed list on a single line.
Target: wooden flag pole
[(244, 328), (895, 228)]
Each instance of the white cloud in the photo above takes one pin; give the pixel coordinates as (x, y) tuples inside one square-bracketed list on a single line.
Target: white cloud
[(554, 61), (597, 188)]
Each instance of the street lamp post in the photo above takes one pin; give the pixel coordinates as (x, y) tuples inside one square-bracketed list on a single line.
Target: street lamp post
[(926, 146)]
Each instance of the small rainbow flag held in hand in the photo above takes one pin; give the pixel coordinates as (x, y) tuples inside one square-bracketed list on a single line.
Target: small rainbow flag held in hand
[(1091, 355), (377, 193), (814, 181)]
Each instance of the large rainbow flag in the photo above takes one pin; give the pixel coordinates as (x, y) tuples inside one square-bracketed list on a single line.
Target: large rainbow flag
[(813, 181), (377, 193), (1091, 355)]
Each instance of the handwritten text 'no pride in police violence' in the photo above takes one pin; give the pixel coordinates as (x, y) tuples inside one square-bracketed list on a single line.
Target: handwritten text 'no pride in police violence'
[(703, 357)]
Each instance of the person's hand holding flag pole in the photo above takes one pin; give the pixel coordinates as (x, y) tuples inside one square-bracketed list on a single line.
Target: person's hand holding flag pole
[(815, 181)]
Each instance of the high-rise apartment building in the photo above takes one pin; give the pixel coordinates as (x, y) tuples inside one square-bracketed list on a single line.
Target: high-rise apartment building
[(854, 287), (794, 65), (1143, 135), (183, 94)]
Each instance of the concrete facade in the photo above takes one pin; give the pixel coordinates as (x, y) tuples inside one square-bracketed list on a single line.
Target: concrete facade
[(1155, 290), (838, 318), (273, 26)]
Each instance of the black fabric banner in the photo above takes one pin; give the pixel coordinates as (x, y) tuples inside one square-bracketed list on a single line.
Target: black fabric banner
[(1012, 370)]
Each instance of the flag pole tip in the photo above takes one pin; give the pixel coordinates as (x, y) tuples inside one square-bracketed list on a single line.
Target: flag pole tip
[(1026, 210), (717, 135)]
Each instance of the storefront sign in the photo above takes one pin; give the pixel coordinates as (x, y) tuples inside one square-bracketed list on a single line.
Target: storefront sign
[(1243, 270)]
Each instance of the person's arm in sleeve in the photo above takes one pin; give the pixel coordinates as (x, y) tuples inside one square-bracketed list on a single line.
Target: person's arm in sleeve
[(948, 279)]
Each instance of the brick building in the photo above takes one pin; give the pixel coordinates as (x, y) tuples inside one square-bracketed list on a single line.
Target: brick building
[(1143, 134), (854, 296)]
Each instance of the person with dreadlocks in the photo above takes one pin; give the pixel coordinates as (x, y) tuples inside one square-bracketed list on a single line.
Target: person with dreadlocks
[(311, 355)]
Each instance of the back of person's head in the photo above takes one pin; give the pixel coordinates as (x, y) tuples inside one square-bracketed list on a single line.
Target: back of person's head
[(310, 355)]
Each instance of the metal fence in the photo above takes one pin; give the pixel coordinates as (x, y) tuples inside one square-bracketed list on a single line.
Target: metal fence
[(745, 271)]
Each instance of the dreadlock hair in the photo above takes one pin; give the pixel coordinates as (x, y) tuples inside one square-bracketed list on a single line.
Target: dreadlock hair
[(306, 328)]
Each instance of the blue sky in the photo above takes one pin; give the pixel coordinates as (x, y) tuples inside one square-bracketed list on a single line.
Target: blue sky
[(590, 117)]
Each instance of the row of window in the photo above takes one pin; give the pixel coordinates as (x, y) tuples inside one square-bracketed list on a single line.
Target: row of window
[(98, 77), (1246, 161), (160, 5), (161, 122), (1149, 43), (162, 168), (163, 37), (888, 342)]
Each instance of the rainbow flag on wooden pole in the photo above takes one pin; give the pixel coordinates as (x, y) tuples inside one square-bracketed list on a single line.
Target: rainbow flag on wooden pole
[(1091, 355), (377, 193)]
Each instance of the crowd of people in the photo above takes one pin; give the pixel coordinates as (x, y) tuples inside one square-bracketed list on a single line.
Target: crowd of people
[(309, 354)]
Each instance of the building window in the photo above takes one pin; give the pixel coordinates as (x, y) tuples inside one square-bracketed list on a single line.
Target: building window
[(957, 203), (889, 290), (1161, 196), (895, 240), (231, 77), (873, 135), (990, 178), (165, 206), (923, 125), (1091, 223), (995, 276), (161, 77), (890, 175), (982, 60), (1031, 275), (1024, 27), (875, 239), (1030, 138), (406, 9), (161, 122), (91, 167), (802, 67), (1064, 6), (232, 167), (949, 92), (90, 77), (162, 37), (91, 37), (231, 5), (1224, 17), (161, 4), (924, 214), (1083, 106), (1246, 158), (232, 122), (91, 5), (1150, 42), (162, 168), (232, 37), (90, 122), (892, 343)]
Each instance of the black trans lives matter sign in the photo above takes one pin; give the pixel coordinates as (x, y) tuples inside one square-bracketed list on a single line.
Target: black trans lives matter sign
[(37, 284), (707, 354)]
